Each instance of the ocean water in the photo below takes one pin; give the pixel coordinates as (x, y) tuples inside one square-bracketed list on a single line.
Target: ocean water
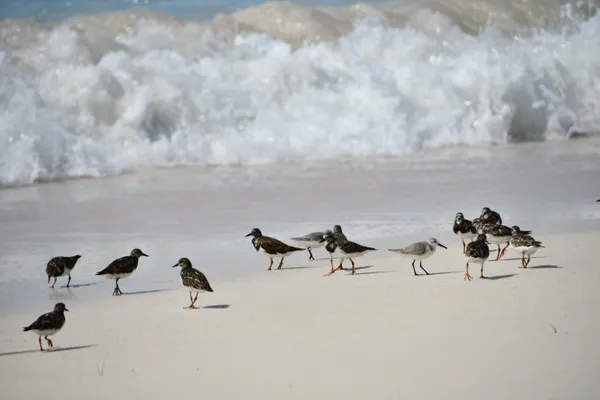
[(96, 89)]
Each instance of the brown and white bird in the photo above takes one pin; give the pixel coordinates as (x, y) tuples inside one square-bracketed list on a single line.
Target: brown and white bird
[(271, 247), (122, 268), (48, 324), (477, 252), (345, 249), (524, 244), (464, 229), (193, 280), (498, 235), (61, 266)]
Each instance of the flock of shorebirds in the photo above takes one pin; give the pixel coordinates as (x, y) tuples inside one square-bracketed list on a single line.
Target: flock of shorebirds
[(475, 236)]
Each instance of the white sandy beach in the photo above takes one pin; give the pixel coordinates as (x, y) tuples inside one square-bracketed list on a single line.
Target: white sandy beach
[(383, 333)]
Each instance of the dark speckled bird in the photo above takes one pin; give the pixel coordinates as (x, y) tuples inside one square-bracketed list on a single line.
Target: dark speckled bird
[(498, 235), (48, 324), (122, 268), (464, 229), (490, 217), (61, 266), (524, 244), (477, 252), (271, 247), (339, 239), (193, 280), (345, 249)]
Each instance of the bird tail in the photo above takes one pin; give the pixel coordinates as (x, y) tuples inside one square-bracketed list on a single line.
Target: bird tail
[(25, 329), (297, 248), (371, 248), (100, 273)]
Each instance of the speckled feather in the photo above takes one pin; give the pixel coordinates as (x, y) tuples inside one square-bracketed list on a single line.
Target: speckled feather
[(478, 249), (465, 226), (273, 246), (123, 265), (56, 266), (192, 278), (523, 240), (53, 320)]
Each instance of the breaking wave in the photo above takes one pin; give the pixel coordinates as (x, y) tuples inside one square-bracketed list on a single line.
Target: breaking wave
[(102, 94)]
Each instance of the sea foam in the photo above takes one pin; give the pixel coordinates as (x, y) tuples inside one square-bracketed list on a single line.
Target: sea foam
[(103, 94)]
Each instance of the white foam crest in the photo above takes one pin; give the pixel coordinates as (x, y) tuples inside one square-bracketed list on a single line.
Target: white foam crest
[(85, 103)]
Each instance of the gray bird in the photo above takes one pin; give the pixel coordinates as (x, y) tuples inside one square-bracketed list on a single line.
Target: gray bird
[(419, 251), (313, 240)]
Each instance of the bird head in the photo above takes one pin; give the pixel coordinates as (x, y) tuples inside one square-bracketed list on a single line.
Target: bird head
[(434, 242), (255, 232), (60, 307), (137, 253), (183, 263)]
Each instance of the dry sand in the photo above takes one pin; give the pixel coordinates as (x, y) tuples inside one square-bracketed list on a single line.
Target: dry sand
[(295, 334)]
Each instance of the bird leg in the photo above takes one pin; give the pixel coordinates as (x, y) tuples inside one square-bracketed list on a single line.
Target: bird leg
[(467, 276), (270, 265), (117, 291), (523, 259), (481, 276), (49, 342), (311, 256), (192, 305), (414, 270), (352, 261), (280, 263), (53, 283), (69, 281), (464, 245), (527, 261), (40, 342), (421, 265), (333, 270), (504, 250), (498, 255)]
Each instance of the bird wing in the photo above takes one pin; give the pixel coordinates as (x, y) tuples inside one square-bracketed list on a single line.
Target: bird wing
[(500, 230), (120, 265), (313, 237), (525, 240), (193, 278), (273, 246), (351, 247), (477, 250), (417, 248), (46, 322), (55, 266)]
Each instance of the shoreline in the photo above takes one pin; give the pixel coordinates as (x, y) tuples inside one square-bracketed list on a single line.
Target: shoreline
[(294, 333)]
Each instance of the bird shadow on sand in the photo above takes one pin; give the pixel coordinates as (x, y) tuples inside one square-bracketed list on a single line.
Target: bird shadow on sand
[(300, 267), (517, 258), (54, 350), (79, 285), (442, 273), (543, 267), (145, 292), (218, 306), (371, 272), (498, 277)]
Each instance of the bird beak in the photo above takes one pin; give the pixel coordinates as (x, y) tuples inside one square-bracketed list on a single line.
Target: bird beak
[(250, 234), (145, 255), (176, 265), (441, 245), (66, 309)]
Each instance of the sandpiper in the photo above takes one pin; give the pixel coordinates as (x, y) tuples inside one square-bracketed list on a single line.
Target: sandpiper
[(464, 229), (477, 252), (490, 217), (419, 251), (122, 268), (345, 249), (271, 247), (498, 235), (524, 244), (48, 324), (313, 240), (61, 266), (193, 280)]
